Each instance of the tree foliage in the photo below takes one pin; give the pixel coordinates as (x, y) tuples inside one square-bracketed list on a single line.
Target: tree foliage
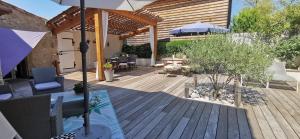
[(288, 50), (220, 55), (263, 18)]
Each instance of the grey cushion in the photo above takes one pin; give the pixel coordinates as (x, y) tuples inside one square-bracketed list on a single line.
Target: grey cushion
[(43, 75), (5, 96), (45, 86)]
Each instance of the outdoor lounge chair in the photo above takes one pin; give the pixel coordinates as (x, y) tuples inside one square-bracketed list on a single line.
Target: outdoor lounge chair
[(6, 92), (45, 81), (278, 73), (32, 117)]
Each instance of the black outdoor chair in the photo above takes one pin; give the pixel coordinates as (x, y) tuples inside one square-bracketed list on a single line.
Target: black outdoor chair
[(132, 61), (45, 81), (32, 117), (123, 65)]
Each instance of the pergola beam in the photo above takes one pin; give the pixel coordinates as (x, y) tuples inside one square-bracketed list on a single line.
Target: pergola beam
[(70, 23), (132, 16), (131, 34)]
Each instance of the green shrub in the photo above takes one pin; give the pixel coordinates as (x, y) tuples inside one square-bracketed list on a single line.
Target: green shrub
[(218, 55), (142, 51), (179, 46), (162, 49), (289, 49)]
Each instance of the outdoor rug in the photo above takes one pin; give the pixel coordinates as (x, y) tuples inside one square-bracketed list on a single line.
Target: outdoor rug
[(101, 113)]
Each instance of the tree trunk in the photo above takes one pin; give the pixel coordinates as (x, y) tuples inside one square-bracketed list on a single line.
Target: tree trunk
[(195, 81), (237, 92)]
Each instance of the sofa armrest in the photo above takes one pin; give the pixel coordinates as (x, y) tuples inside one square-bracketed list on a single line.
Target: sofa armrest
[(60, 80), (32, 84), (56, 118)]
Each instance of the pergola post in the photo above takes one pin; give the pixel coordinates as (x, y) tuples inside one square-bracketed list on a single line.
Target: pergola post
[(153, 43), (99, 45)]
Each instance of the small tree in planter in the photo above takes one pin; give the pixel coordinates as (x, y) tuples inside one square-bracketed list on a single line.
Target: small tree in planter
[(220, 55), (108, 72)]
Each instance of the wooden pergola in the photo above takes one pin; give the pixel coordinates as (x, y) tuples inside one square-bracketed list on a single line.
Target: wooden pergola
[(123, 23)]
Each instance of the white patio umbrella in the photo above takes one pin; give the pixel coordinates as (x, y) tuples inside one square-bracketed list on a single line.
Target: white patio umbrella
[(128, 5)]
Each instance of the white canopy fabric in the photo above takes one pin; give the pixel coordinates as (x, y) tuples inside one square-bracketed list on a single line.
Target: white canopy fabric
[(128, 5), (105, 26), (31, 38), (151, 39)]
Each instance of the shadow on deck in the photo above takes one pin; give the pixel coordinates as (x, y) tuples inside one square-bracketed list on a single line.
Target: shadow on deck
[(150, 105)]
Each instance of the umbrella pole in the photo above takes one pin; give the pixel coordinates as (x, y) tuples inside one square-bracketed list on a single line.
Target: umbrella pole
[(83, 50), (94, 131)]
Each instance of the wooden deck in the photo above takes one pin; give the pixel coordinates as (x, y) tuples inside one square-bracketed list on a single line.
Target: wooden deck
[(151, 105)]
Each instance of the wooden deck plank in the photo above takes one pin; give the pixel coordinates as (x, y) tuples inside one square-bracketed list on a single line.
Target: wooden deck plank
[(174, 121), (156, 126), (153, 115), (154, 101), (149, 127), (163, 123), (286, 105), (244, 128), (282, 122), (222, 132), (157, 106), (192, 124), (253, 123), (177, 132), (203, 121), (233, 127), (288, 117), (267, 131), (289, 101), (131, 109), (292, 95), (278, 132), (211, 129)]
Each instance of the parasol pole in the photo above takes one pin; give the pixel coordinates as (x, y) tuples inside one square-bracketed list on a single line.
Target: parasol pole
[(83, 50)]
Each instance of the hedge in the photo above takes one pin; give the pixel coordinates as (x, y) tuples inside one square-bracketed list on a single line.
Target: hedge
[(176, 47), (164, 48)]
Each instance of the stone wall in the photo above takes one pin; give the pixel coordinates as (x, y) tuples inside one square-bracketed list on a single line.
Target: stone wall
[(44, 53)]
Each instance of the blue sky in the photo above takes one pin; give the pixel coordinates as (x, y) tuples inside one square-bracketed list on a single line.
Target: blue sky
[(48, 9), (43, 8), (237, 5)]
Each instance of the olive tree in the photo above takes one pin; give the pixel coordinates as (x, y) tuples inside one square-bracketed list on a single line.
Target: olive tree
[(221, 57)]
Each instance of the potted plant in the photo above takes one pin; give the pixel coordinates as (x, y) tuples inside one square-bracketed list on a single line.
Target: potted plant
[(78, 88), (108, 72)]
